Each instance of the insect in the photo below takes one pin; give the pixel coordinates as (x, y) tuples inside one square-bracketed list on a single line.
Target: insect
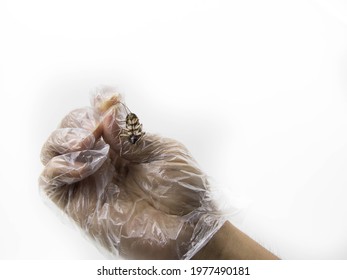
[(133, 127)]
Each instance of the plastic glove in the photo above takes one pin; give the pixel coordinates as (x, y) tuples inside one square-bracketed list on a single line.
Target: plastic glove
[(147, 200)]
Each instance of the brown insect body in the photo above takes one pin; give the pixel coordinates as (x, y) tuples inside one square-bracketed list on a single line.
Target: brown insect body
[(133, 128)]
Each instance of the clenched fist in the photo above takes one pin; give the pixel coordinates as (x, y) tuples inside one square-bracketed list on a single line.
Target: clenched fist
[(143, 199)]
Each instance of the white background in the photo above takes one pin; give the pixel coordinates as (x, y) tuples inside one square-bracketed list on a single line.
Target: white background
[(256, 90)]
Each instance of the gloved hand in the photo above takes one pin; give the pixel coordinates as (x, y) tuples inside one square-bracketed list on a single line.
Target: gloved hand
[(147, 200)]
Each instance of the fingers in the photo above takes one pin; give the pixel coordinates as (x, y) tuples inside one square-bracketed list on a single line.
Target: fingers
[(78, 131), (113, 122), (65, 140), (73, 167), (85, 118), (73, 151), (104, 98)]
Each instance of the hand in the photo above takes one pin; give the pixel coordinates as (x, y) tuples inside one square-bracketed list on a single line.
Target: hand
[(147, 200)]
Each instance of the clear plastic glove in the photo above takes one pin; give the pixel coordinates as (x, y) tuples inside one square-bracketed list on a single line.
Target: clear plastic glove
[(147, 200)]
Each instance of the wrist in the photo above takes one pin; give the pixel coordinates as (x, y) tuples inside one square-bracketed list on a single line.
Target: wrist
[(229, 243)]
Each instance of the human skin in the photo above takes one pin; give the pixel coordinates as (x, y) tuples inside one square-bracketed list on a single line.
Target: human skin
[(229, 243), (144, 201)]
